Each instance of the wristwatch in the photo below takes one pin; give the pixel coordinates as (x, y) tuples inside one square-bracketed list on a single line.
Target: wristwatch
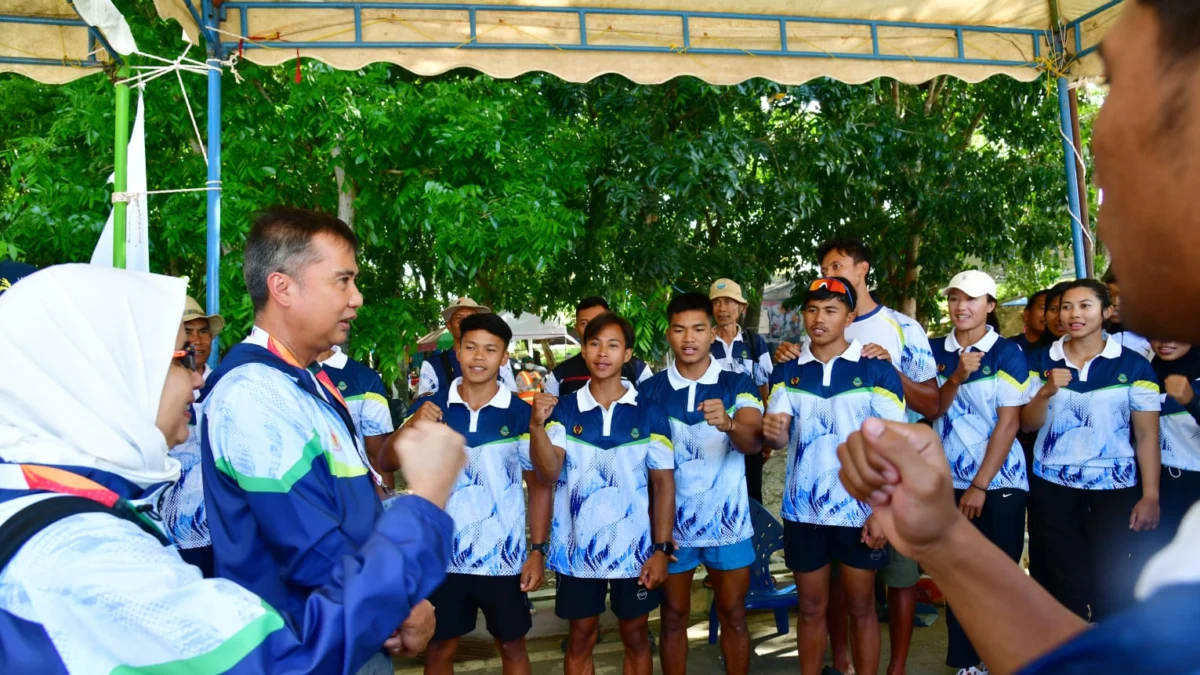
[(666, 547), (538, 548)]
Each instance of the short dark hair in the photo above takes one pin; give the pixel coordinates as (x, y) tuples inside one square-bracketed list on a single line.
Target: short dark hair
[(1056, 292), (604, 321), (849, 246), (590, 302), (281, 241), (1094, 286), (689, 302), (825, 293), (490, 323), (1033, 298), (1179, 26)]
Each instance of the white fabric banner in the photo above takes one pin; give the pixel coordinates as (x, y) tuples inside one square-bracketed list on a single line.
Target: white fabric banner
[(137, 216)]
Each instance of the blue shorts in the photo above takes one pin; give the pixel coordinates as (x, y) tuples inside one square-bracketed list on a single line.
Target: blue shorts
[(721, 558)]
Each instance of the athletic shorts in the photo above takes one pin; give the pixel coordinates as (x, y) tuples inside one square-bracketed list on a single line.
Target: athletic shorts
[(460, 598), (901, 572), (808, 548), (721, 558), (577, 598)]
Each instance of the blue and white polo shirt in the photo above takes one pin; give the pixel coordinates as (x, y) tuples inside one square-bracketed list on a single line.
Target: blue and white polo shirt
[(1002, 381), (487, 503), (364, 393), (601, 527), (828, 402), (747, 357), (712, 507), (1085, 442), (902, 337), (1179, 432)]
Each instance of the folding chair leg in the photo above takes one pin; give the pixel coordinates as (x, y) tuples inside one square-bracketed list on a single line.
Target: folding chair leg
[(781, 620), (714, 624)]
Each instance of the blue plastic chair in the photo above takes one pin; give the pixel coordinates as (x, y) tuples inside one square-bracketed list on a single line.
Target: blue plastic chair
[(768, 538)]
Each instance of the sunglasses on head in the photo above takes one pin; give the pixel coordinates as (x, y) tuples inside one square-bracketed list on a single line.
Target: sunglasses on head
[(833, 286), (185, 357)]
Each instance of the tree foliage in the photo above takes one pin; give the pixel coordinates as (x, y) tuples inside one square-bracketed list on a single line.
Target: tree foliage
[(530, 193)]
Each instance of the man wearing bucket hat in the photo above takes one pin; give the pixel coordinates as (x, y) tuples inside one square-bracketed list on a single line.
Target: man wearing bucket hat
[(740, 352), (199, 330), (441, 367)]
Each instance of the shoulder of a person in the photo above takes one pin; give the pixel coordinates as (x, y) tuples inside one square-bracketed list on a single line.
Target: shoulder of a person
[(734, 380), (251, 381), (880, 371), (655, 381)]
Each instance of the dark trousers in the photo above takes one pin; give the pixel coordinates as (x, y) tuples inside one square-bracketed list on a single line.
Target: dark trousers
[(1085, 551), (1003, 523), (754, 468), (1178, 491)]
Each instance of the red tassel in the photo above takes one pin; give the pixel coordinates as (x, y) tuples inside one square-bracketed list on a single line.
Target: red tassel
[(241, 48), (297, 66)]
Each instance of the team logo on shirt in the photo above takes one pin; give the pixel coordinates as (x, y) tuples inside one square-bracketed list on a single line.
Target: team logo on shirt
[(634, 434), (795, 381), (745, 354), (504, 430), (341, 386), (858, 381), (987, 370), (578, 429), (1122, 379), (941, 367)]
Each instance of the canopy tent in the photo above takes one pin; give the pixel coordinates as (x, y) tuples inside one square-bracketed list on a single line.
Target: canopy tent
[(648, 41)]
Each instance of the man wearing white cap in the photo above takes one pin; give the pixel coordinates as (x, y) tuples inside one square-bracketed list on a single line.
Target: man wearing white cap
[(199, 330), (441, 367), (737, 352)]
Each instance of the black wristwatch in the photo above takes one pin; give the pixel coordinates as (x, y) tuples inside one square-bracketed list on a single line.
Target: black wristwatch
[(537, 548), (667, 547)]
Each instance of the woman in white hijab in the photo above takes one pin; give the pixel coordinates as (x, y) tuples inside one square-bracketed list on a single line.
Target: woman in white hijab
[(93, 390)]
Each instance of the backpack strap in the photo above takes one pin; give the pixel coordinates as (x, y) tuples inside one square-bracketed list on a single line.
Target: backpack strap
[(32, 519)]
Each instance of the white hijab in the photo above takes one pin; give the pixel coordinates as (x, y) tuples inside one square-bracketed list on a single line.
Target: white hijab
[(84, 353)]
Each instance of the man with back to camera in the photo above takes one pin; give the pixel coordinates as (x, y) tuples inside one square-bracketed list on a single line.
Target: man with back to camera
[(571, 375), (1146, 143), (889, 335)]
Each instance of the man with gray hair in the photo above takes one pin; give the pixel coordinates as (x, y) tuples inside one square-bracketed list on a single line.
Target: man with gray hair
[(287, 484)]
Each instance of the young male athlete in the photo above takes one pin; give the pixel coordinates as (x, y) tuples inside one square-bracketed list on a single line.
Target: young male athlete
[(600, 447), (489, 569), (816, 402), (571, 375), (716, 419)]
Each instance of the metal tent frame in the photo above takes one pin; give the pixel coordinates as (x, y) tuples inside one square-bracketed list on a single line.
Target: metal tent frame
[(1048, 46)]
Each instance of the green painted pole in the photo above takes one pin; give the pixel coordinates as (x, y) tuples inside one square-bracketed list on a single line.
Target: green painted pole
[(121, 167)]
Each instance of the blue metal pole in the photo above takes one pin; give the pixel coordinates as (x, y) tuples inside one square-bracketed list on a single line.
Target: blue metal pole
[(1068, 141), (213, 261)]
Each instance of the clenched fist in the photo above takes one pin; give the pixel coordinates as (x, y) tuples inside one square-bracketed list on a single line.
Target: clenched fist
[(1179, 388), (968, 363), (1057, 379), (431, 456), (775, 428), (543, 405), (716, 415)]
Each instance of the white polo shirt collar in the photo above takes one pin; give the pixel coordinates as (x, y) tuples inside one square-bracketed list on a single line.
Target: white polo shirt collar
[(337, 360), (852, 353), (985, 343), (501, 400), (678, 381), (1112, 350), (588, 402), (729, 345)]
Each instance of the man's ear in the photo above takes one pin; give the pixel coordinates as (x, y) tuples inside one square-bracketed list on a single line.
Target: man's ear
[(281, 288)]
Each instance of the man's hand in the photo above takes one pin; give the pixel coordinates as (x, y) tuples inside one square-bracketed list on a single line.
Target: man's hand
[(716, 415), (874, 351), (543, 405), (414, 634), (873, 535), (971, 503), (428, 412), (533, 572), (901, 470), (654, 572), (1058, 378), (968, 362), (787, 351), (431, 456), (775, 428), (1145, 515), (1179, 388)]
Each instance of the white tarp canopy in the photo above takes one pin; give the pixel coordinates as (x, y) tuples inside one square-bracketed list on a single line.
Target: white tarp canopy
[(649, 41), (524, 327)]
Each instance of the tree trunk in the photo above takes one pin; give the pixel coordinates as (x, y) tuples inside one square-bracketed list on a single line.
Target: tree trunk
[(549, 361), (346, 191), (908, 302)]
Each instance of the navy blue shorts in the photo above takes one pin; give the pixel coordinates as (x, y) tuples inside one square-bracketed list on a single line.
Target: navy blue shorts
[(577, 598), (460, 598), (808, 548)]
